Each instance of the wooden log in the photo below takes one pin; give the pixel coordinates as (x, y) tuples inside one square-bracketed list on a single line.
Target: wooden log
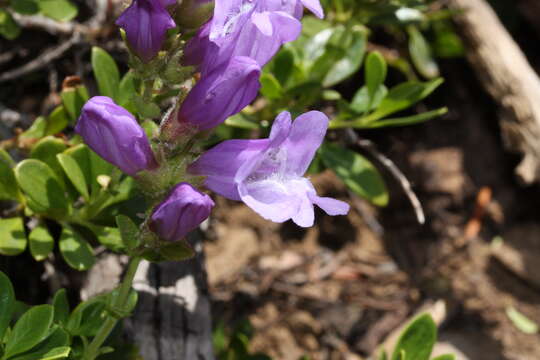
[(507, 75)]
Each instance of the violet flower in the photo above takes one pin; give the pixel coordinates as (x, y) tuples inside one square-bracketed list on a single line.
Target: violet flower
[(114, 134), (220, 94), (181, 212), (267, 174), (146, 23)]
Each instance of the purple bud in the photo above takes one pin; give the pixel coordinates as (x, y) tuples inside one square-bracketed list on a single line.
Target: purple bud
[(114, 134), (181, 212), (221, 93), (146, 23)]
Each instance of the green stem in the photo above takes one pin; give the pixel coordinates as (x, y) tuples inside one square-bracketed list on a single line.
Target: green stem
[(92, 351)]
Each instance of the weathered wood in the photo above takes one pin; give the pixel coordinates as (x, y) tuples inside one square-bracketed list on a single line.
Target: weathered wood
[(172, 319), (507, 75)]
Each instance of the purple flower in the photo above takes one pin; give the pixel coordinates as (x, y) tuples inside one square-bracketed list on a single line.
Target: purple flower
[(267, 174), (114, 134), (220, 94), (181, 212), (146, 23)]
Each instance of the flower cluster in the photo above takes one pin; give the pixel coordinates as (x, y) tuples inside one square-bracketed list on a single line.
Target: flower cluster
[(228, 51)]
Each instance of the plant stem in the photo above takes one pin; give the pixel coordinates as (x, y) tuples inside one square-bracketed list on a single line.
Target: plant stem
[(92, 351)]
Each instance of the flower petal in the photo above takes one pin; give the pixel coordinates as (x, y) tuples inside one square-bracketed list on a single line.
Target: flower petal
[(221, 163), (329, 205), (315, 7), (305, 216), (306, 136)]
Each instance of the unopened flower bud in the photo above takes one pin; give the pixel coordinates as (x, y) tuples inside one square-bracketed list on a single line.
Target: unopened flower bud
[(221, 93), (114, 134), (181, 212), (146, 23)]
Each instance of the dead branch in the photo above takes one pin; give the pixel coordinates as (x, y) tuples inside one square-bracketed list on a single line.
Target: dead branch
[(508, 77)]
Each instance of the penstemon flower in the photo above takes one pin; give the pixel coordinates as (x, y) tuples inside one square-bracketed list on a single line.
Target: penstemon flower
[(114, 134), (184, 209), (222, 93), (267, 174), (146, 23)]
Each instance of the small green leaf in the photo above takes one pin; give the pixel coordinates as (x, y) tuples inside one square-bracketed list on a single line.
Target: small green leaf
[(351, 61), (356, 172), (146, 109), (53, 347), (46, 150), (87, 317), (7, 303), (282, 66), (405, 95), (150, 128), (406, 120), (12, 236), (128, 231), (375, 73), (520, 321), (57, 121), (445, 357), (73, 99), (25, 7), (127, 91), (29, 330), (9, 189), (241, 121), (417, 339), (361, 100), (421, 54), (41, 242), (75, 174), (106, 73), (109, 236), (270, 87), (8, 27), (75, 250), (36, 131), (59, 10), (61, 307), (176, 251), (42, 188)]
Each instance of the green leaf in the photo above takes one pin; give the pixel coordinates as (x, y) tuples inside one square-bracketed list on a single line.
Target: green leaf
[(61, 307), (406, 120), (25, 7), (177, 251), (7, 303), (60, 10), (12, 236), (29, 330), (405, 95), (241, 121), (445, 357), (42, 188), (41, 242), (127, 91), (57, 121), (520, 321), (375, 74), (75, 250), (87, 317), (53, 347), (282, 66), (9, 189), (361, 100), (8, 27), (74, 173), (146, 109), (73, 99), (421, 54), (128, 231), (46, 150), (417, 339), (109, 236), (352, 59), (356, 172), (37, 130), (150, 128), (91, 165), (106, 73), (270, 87)]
